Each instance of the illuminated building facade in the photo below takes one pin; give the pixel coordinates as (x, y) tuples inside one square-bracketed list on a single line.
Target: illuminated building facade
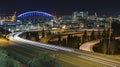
[(7, 21), (79, 15), (8, 17)]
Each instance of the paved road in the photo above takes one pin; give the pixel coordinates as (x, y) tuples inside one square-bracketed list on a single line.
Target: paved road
[(29, 51), (88, 46), (73, 57)]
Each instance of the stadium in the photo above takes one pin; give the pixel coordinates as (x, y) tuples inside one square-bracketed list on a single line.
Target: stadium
[(34, 17)]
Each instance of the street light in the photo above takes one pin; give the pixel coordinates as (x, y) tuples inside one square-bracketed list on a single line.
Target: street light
[(110, 30)]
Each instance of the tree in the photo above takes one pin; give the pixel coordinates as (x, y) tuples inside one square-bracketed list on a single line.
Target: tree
[(43, 33), (44, 60), (116, 27), (85, 36), (92, 37), (64, 42), (76, 42), (69, 38), (59, 40), (98, 34), (37, 36), (6, 61), (28, 36)]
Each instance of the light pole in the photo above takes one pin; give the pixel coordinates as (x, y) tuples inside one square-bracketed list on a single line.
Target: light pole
[(110, 30)]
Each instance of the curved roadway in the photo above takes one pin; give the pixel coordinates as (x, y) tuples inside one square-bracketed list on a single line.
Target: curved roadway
[(88, 46), (94, 59)]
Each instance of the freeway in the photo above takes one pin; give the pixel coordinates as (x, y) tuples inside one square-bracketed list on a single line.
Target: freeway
[(71, 56), (25, 52)]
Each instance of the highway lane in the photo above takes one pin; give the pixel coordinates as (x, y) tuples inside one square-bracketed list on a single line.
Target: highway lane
[(70, 50), (89, 57), (29, 51), (100, 59)]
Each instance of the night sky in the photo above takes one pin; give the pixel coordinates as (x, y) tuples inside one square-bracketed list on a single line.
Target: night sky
[(61, 7)]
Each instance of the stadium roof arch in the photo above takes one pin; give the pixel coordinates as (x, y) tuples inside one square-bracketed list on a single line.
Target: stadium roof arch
[(34, 13)]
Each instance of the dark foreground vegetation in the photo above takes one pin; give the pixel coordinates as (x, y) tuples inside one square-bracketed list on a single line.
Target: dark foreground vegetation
[(28, 56)]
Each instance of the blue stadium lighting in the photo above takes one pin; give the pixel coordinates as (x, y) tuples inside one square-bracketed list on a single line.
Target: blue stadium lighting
[(35, 13)]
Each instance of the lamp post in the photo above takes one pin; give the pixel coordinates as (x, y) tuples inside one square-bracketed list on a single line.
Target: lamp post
[(110, 30)]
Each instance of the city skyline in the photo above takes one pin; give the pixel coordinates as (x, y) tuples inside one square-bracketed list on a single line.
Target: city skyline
[(61, 7)]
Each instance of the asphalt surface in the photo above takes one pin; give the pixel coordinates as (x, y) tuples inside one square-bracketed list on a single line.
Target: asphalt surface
[(26, 52)]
